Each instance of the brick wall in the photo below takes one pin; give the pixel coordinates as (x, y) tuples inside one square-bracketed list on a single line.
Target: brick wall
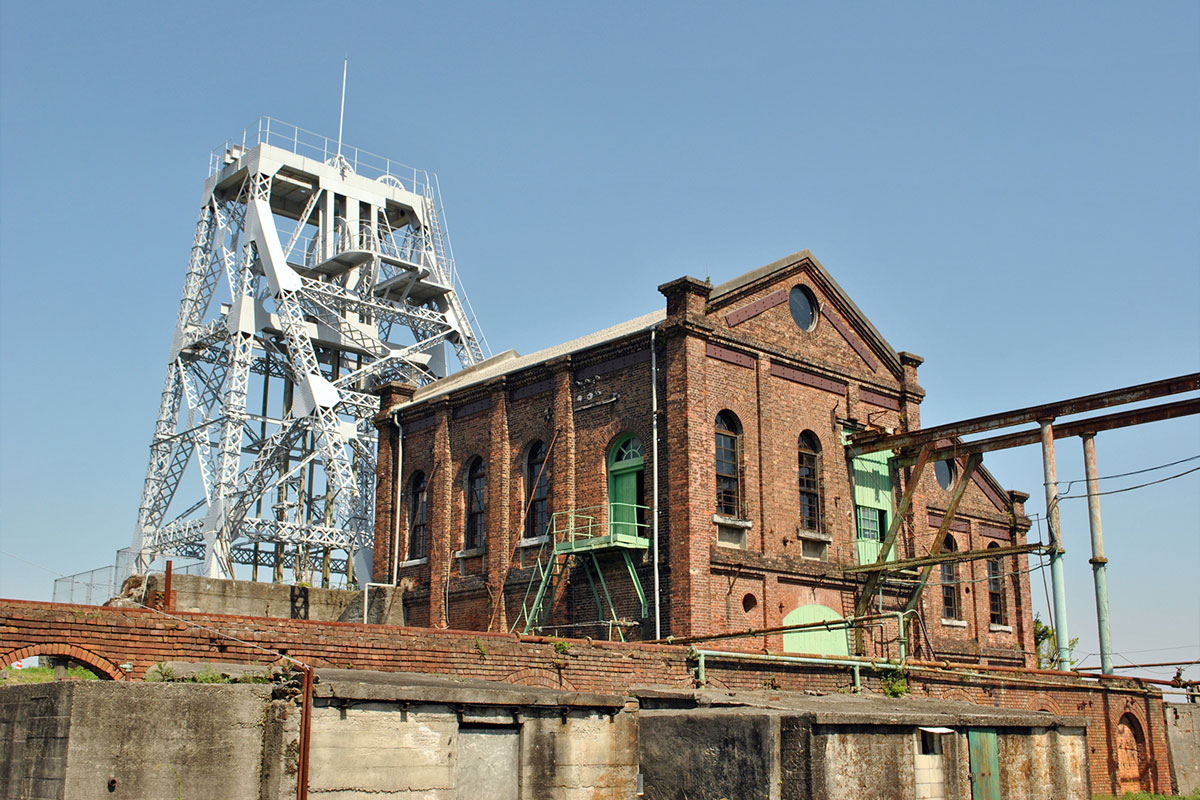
[(107, 638), (735, 348)]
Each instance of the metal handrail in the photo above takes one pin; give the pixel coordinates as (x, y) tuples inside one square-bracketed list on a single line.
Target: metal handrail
[(285, 136), (591, 522)]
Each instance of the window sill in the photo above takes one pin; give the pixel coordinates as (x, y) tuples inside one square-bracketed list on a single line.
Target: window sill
[(533, 541), (814, 536), (954, 623), (415, 562), (474, 551), (732, 522), (994, 628)]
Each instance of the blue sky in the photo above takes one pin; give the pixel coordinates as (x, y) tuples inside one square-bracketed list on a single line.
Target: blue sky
[(1009, 190)]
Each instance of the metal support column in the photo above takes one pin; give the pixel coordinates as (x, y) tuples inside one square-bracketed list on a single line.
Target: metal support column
[(1062, 637), (1098, 561)]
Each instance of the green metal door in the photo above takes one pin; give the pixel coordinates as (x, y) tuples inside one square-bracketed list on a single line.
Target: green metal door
[(985, 764), (624, 472), (815, 641)]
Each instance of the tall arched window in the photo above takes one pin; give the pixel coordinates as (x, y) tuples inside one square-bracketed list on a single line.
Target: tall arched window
[(626, 489), (537, 490), (728, 464), (809, 478), (418, 513), (995, 582), (950, 605), (474, 536)]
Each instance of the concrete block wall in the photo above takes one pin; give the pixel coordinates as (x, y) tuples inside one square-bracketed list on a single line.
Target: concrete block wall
[(79, 740)]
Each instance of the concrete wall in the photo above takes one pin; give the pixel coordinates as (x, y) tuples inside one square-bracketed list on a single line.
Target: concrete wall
[(1183, 740), (250, 599), (779, 755), (81, 740), (373, 749)]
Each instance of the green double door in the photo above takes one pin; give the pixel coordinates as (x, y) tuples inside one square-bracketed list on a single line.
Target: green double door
[(985, 764)]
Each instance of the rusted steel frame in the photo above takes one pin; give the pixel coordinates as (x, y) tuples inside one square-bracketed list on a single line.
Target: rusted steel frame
[(750, 632), (871, 442), (306, 710), (889, 541), (1121, 419), (964, 555), (960, 489)]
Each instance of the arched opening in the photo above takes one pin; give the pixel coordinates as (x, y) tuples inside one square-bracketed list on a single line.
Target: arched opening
[(626, 487), (475, 534), (998, 611), (728, 461), (1133, 768), (68, 656), (809, 480), (951, 608), (537, 491), (418, 515), (817, 640)]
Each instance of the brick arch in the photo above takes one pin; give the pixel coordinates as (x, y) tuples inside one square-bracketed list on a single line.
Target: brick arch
[(1044, 702), (97, 664), (537, 676), (958, 694)]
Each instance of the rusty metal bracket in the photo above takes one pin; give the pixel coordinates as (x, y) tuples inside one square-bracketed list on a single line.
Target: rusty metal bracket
[(960, 489)]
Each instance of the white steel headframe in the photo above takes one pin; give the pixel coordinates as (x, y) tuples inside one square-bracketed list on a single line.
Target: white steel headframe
[(327, 253)]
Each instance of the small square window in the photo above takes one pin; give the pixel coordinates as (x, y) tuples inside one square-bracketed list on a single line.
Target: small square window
[(815, 549), (931, 743), (731, 537)]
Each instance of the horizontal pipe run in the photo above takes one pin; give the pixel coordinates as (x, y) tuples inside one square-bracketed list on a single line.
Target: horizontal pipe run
[(1122, 419), (1062, 408)]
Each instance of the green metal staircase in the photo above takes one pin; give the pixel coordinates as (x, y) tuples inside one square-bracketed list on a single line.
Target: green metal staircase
[(577, 539)]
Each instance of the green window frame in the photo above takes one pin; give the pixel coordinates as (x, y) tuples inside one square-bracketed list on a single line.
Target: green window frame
[(872, 478)]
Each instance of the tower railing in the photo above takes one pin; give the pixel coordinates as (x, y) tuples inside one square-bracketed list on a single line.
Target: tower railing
[(284, 135)]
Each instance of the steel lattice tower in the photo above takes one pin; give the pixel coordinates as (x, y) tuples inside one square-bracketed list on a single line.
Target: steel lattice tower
[(323, 256)]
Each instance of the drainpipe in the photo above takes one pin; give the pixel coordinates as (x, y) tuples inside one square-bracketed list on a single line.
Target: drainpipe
[(397, 475), (1098, 561), (1056, 566), (654, 478)]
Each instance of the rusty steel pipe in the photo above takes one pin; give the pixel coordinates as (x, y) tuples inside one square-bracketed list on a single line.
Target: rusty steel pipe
[(1098, 561)]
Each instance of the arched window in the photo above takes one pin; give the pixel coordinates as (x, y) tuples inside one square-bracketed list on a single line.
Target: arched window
[(626, 489), (950, 606), (474, 536), (537, 490), (995, 582), (418, 513), (810, 481), (728, 464)]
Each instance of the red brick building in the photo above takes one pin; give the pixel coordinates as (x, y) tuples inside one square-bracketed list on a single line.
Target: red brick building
[(716, 428)]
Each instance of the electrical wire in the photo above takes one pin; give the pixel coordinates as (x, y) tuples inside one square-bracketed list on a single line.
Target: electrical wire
[(1070, 483), (1128, 488)]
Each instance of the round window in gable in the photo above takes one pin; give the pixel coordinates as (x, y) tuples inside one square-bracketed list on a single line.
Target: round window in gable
[(749, 603), (946, 473), (804, 307)]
